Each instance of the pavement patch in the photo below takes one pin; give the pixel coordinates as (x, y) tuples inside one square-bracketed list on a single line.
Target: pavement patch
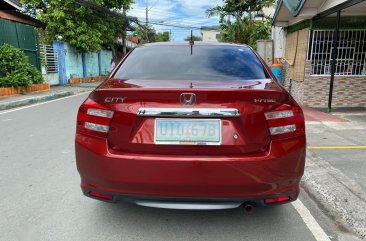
[(335, 147), (342, 197), (310, 221)]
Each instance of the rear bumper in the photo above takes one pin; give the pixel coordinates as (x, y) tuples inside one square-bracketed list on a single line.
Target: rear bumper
[(132, 177), (189, 203)]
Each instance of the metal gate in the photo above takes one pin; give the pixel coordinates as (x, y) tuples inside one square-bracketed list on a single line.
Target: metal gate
[(21, 36), (49, 62)]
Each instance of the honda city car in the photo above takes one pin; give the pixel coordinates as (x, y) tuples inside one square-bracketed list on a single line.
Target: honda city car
[(191, 126)]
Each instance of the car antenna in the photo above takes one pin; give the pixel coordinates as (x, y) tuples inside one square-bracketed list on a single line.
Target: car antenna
[(191, 42)]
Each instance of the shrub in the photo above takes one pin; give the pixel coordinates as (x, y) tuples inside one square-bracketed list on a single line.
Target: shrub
[(15, 79), (17, 69)]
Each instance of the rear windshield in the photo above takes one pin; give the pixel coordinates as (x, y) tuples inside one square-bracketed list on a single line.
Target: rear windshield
[(205, 63)]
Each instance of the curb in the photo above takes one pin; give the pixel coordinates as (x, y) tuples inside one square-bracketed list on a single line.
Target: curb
[(35, 99), (340, 196)]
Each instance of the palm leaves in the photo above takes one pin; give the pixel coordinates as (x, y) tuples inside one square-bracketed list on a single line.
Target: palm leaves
[(237, 19)]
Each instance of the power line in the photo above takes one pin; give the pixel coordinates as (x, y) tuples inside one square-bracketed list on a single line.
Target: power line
[(172, 25)]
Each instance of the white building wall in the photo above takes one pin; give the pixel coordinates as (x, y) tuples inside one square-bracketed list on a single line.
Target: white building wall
[(210, 35), (279, 41)]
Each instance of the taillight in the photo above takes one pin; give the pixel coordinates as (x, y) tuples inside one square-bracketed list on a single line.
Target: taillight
[(285, 122), (94, 119)]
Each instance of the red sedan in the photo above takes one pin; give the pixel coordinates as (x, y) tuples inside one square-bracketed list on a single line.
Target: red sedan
[(191, 126)]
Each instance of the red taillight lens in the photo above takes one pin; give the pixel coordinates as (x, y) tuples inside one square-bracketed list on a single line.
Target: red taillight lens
[(94, 119), (101, 195), (277, 200), (285, 122)]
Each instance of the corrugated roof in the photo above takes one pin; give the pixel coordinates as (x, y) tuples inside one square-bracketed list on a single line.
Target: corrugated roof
[(294, 6), (10, 4)]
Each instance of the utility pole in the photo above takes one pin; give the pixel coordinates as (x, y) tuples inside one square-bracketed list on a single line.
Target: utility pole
[(124, 34), (147, 21), (170, 35)]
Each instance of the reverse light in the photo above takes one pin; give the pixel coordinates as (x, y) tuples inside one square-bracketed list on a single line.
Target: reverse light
[(282, 129), (96, 127), (94, 119), (286, 121), (277, 200)]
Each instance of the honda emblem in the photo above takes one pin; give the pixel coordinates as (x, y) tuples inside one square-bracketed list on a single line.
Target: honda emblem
[(187, 99)]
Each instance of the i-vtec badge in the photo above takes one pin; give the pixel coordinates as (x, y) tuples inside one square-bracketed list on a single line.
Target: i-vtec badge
[(115, 99), (264, 101)]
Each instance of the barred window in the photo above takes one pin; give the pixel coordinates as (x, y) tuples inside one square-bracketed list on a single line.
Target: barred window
[(49, 58), (351, 52)]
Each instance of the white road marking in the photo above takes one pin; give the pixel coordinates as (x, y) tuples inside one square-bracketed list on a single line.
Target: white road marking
[(310, 221), (7, 120), (29, 106)]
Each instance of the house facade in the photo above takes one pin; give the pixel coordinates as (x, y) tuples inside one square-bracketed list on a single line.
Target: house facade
[(210, 33), (322, 45)]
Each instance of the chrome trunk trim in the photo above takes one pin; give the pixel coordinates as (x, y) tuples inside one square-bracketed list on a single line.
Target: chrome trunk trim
[(189, 112)]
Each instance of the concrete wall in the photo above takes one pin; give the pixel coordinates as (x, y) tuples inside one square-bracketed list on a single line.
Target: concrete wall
[(74, 63), (106, 56), (279, 41), (92, 65)]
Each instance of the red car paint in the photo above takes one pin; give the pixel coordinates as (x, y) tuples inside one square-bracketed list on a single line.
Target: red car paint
[(127, 164)]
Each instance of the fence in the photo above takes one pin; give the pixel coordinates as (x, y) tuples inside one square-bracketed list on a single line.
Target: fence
[(74, 64), (351, 52)]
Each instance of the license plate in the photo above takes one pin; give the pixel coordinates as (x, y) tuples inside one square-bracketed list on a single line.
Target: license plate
[(188, 131)]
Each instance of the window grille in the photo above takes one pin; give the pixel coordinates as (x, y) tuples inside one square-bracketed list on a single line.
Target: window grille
[(351, 52), (49, 58)]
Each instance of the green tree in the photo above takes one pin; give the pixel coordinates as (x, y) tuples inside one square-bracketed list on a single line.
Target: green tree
[(162, 37), (86, 28), (142, 32), (194, 38), (238, 23)]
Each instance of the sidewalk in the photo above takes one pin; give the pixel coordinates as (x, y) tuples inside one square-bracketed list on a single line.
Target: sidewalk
[(55, 93), (336, 165)]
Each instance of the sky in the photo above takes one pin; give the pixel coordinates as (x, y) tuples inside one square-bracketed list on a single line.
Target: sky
[(188, 13)]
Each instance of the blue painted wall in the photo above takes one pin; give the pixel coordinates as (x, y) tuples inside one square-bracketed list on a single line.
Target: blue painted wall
[(92, 68), (72, 62), (59, 49), (106, 56)]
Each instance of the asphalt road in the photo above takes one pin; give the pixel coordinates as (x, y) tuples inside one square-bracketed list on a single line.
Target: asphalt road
[(41, 198)]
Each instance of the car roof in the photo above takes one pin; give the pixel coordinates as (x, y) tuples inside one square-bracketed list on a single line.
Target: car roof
[(196, 43)]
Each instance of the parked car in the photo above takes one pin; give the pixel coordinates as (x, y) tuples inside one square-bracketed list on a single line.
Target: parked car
[(191, 126)]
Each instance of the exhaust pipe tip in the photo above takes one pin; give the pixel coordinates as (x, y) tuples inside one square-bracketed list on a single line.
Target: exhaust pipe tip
[(248, 208)]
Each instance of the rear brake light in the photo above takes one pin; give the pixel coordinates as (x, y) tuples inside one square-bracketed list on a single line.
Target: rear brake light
[(94, 119), (277, 200), (285, 122)]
